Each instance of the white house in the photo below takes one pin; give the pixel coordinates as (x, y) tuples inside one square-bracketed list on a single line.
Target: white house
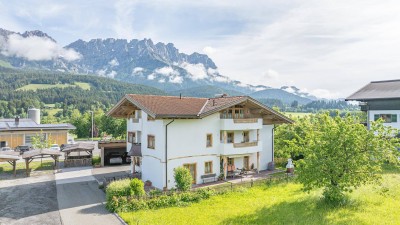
[(380, 99), (206, 135)]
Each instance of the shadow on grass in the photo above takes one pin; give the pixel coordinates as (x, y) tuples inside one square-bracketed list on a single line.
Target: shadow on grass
[(306, 211)]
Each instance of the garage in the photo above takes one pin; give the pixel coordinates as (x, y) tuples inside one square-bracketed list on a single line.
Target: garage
[(113, 153)]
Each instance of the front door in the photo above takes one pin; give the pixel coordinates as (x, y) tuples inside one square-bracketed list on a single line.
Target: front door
[(246, 162), (193, 171)]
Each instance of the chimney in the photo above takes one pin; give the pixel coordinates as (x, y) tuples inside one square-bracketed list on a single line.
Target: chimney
[(213, 102), (16, 120), (180, 95)]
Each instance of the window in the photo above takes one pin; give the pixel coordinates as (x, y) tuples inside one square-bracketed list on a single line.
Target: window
[(131, 137), (231, 161), (230, 137), (209, 140), (387, 118), (246, 136), (151, 140), (208, 167)]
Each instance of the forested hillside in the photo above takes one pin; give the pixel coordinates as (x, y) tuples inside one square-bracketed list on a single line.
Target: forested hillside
[(102, 93)]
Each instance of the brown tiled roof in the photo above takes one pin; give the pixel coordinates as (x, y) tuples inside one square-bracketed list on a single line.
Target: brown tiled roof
[(389, 89), (183, 107), (169, 105)]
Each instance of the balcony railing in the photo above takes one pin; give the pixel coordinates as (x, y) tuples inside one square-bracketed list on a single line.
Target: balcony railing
[(245, 144), (247, 120)]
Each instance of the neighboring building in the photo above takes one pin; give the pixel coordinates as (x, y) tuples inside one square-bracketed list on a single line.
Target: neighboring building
[(15, 132), (206, 135), (380, 99)]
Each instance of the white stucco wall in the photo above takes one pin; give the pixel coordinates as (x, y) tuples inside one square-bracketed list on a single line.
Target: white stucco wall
[(371, 114), (187, 140), (266, 153)]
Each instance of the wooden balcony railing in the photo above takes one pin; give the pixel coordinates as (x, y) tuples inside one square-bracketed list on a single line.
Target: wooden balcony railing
[(246, 120), (245, 144)]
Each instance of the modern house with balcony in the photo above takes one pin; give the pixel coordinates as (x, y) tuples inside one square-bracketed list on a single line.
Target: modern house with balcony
[(209, 136), (380, 99)]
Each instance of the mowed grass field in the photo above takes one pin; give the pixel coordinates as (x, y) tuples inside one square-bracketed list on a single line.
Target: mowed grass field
[(284, 204), (34, 87)]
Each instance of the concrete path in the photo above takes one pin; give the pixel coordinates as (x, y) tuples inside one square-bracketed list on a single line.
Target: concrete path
[(80, 200)]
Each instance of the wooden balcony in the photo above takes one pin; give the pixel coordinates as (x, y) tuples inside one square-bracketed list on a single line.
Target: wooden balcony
[(246, 120), (245, 144)]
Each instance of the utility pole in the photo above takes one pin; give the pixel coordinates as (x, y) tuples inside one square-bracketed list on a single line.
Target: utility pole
[(92, 123)]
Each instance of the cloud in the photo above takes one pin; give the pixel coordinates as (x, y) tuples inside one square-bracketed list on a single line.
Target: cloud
[(209, 50), (195, 71), (162, 80), (35, 48), (151, 76), (124, 18), (323, 93), (112, 74), (173, 75), (113, 62), (167, 71)]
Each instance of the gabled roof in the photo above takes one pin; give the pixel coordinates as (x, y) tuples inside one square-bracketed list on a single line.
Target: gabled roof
[(168, 107), (29, 124), (389, 89)]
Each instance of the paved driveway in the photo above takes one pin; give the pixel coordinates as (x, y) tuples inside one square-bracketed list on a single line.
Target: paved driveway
[(80, 200), (31, 200)]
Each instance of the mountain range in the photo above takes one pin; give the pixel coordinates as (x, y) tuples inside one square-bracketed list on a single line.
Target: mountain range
[(157, 65)]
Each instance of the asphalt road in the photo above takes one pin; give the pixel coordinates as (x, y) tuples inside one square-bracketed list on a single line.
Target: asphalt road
[(80, 200), (31, 200)]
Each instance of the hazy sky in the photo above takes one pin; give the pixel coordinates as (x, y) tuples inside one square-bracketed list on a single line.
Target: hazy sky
[(329, 48)]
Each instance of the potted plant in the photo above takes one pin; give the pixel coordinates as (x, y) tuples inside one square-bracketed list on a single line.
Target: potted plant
[(148, 183)]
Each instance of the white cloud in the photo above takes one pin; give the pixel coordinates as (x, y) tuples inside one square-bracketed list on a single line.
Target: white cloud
[(101, 72), (36, 48), (124, 18), (137, 71), (176, 79), (113, 62), (162, 80), (221, 79), (167, 71), (208, 50), (196, 71), (112, 74), (323, 93), (151, 76)]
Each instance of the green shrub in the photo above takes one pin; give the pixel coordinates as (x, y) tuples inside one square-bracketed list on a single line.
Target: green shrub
[(96, 160), (155, 192), (183, 178), (137, 187), (118, 188)]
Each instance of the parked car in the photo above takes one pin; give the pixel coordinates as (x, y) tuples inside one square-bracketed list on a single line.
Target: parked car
[(71, 141), (22, 148), (5, 149), (115, 158), (55, 147)]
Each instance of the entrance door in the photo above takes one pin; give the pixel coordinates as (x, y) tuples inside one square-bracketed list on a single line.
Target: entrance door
[(246, 162), (193, 171)]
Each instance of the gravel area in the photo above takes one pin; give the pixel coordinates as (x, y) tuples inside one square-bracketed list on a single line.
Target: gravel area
[(31, 200)]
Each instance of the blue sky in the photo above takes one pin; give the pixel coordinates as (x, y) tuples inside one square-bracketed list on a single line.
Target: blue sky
[(328, 48)]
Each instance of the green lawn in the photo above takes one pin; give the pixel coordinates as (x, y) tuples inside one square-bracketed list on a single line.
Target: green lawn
[(284, 204), (21, 168), (34, 87)]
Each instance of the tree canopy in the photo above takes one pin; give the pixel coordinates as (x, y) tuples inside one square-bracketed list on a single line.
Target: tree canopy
[(340, 154)]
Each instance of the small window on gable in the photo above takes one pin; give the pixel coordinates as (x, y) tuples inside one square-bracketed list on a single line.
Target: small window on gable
[(209, 140), (151, 141)]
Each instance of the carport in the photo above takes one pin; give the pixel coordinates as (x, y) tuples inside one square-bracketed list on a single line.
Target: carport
[(109, 147), (10, 157), (40, 154), (79, 154)]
